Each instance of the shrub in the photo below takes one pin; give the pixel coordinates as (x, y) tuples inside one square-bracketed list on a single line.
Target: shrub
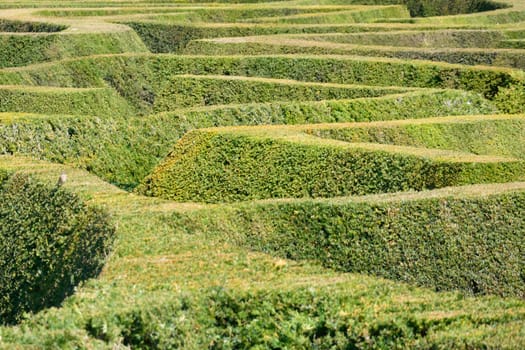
[(466, 242), (49, 242)]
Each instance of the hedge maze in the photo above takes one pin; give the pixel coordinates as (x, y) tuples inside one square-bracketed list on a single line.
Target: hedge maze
[(306, 174)]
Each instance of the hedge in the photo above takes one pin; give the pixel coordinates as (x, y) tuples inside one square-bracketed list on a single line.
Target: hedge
[(21, 50), (427, 8), (213, 166), (297, 45), (471, 243), (305, 318), (193, 90), (29, 27), (90, 101), (500, 137), (102, 145), (147, 71), (50, 242)]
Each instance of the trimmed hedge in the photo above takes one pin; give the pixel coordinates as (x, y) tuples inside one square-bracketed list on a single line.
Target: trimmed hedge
[(191, 91), (21, 50), (306, 318), (148, 71), (499, 137), (472, 244), (97, 101), (428, 8), (103, 145), (450, 38), (29, 27), (162, 37), (50, 242), (212, 166), (263, 46)]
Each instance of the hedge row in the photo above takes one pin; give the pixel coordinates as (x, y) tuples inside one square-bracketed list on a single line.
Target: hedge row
[(212, 166), (50, 241), (125, 150), (182, 91), (146, 72), (499, 137), (422, 38), (264, 46), (163, 37), (446, 242), (428, 8), (304, 318), (97, 101), (29, 27), (21, 50)]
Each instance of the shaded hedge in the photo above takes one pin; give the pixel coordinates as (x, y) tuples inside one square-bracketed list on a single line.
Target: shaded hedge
[(427, 8), (29, 27), (472, 244), (50, 241), (191, 91), (212, 166)]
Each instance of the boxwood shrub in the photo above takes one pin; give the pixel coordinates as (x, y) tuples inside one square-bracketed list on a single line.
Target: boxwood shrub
[(50, 241)]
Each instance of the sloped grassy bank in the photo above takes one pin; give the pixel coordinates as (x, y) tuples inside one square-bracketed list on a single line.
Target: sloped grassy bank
[(50, 241)]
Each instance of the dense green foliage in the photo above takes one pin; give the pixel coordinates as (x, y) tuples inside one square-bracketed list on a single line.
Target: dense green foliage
[(20, 50), (49, 242), (191, 91), (138, 77), (228, 166), (302, 319), (426, 8), (491, 136), (498, 57), (471, 244), (83, 84), (97, 101), (29, 27), (124, 150)]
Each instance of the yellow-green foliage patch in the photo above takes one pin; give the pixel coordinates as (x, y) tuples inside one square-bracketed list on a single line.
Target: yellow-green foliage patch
[(233, 164)]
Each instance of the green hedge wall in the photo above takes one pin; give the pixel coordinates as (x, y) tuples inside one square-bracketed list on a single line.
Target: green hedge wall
[(499, 137), (472, 57), (146, 72), (472, 244), (124, 150), (29, 27), (305, 318), (226, 167), (21, 50), (427, 8), (192, 91), (50, 241), (97, 101)]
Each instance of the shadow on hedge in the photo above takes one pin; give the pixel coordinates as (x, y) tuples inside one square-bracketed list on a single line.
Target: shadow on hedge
[(50, 241)]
